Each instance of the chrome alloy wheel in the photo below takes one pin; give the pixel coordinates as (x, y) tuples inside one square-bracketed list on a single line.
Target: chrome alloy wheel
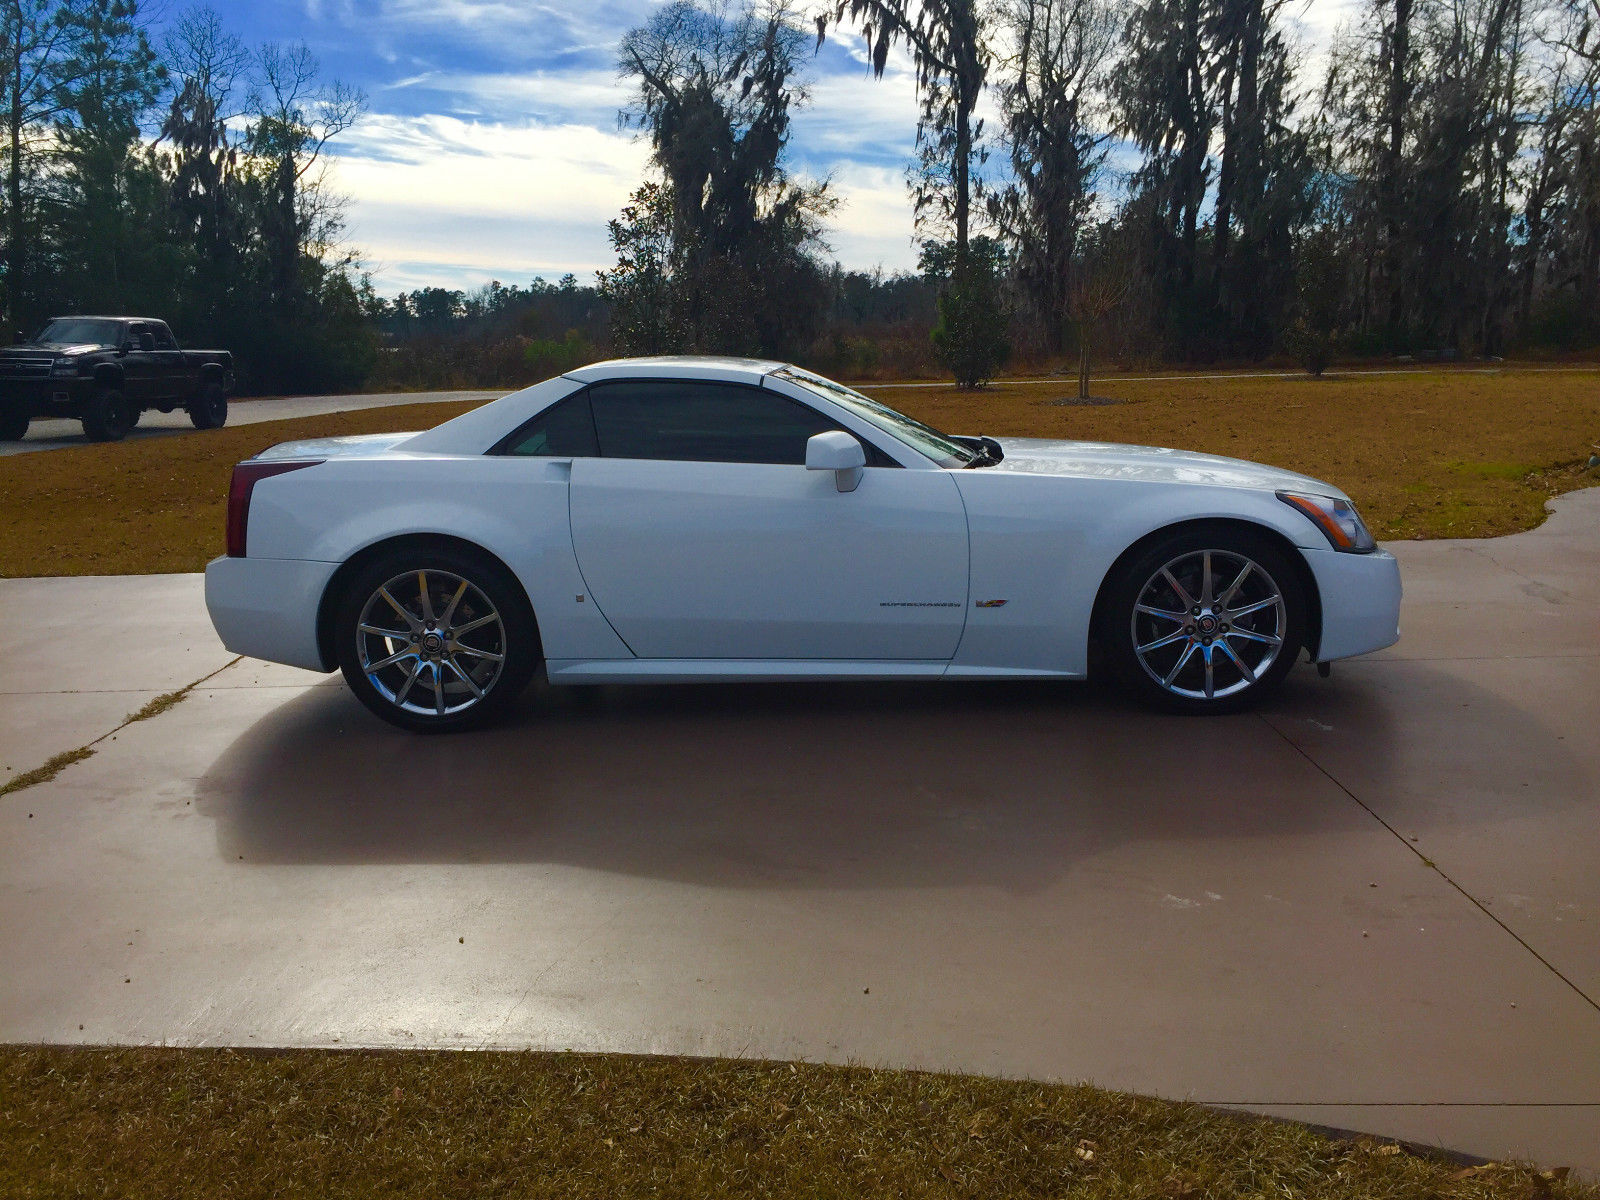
[(1208, 624), (430, 643)]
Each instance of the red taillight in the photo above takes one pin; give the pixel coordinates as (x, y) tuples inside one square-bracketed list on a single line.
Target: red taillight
[(245, 477)]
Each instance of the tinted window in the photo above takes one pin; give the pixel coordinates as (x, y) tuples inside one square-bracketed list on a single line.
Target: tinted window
[(690, 421), (565, 431), (163, 338)]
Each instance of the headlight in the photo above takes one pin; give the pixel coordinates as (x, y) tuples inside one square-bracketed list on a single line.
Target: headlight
[(64, 366), (1338, 519)]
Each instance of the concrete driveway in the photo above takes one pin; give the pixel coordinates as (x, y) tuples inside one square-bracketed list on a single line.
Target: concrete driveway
[(1374, 905), (56, 434)]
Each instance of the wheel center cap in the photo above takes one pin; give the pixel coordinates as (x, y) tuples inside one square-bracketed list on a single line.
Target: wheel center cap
[(1207, 625), (432, 643)]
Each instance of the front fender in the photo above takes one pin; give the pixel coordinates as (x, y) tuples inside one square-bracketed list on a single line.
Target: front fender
[(1044, 544)]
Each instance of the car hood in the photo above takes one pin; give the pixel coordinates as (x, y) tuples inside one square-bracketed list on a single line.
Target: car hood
[(53, 347), (360, 444), (1147, 464)]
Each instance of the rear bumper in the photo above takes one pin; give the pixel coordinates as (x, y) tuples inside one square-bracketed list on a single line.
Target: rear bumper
[(267, 607), (1360, 601)]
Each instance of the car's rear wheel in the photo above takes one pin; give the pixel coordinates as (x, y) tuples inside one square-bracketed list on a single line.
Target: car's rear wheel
[(436, 639), (13, 425), (209, 410), (109, 416), (1205, 621)]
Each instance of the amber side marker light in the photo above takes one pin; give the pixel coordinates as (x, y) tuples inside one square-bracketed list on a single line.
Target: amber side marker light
[(245, 477), (1337, 519)]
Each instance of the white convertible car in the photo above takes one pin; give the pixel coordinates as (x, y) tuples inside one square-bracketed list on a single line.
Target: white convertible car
[(691, 519)]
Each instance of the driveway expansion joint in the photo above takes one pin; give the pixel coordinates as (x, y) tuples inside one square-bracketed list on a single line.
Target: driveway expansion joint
[(1432, 865), (57, 763)]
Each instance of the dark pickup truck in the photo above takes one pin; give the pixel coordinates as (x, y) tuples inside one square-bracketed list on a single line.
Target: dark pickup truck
[(105, 371)]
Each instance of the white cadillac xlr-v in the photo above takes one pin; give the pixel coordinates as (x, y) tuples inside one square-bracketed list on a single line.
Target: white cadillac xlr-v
[(691, 519)]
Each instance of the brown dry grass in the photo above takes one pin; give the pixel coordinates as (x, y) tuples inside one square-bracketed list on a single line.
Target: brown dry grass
[(1433, 454), (150, 504), (1445, 453), (208, 1123)]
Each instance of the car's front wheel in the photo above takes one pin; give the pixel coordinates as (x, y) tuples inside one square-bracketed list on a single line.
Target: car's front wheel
[(13, 425), (436, 639), (109, 416), (1205, 621)]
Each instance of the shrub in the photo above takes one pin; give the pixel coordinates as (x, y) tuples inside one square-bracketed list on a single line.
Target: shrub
[(970, 335), (1311, 348)]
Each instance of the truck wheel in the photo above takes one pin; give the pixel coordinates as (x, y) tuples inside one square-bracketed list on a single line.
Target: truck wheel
[(13, 426), (210, 408), (108, 416)]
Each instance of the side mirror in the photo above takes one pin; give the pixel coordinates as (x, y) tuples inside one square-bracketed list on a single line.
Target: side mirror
[(147, 342), (124, 348), (840, 453)]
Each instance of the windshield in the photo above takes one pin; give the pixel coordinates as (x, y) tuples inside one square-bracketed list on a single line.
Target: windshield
[(79, 331), (924, 439)]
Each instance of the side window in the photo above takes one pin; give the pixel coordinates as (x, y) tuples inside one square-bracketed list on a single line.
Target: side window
[(689, 421), (164, 340), (565, 430)]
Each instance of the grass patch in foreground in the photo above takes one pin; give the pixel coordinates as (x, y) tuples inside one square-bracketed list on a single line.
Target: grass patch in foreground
[(1430, 454), (46, 771), (207, 1123)]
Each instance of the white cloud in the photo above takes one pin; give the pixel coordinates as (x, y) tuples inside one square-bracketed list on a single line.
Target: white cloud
[(441, 200)]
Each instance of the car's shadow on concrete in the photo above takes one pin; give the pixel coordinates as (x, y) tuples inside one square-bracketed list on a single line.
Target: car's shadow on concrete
[(825, 785)]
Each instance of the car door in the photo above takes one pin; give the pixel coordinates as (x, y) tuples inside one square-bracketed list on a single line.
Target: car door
[(139, 370), (170, 381), (701, 534)]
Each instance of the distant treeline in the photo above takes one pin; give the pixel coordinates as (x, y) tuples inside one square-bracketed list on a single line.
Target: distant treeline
[(1172, 180), (1168, 180), (875, 325)]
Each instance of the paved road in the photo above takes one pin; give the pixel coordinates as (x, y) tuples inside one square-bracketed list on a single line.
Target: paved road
[(59, 434), (1372, 905)]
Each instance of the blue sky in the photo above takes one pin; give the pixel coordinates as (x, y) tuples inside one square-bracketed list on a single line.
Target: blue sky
[(491, 148)]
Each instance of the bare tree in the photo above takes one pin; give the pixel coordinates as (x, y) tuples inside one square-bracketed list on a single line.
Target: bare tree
[(1057, 131), (38, 73), (949, 42), (294, 116)]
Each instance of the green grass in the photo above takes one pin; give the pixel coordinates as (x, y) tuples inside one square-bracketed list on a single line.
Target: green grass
[(176, 1124)]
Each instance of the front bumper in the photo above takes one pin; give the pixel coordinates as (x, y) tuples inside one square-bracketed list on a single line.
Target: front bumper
[(44, 397), (1360, 601), (267, 607)]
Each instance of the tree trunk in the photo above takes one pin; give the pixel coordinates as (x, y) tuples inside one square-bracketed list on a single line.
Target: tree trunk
[(962, 180), (1083, 364), (1399, 94), (14, 219)]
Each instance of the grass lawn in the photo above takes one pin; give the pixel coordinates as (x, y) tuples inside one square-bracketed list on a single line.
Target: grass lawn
[(1445, 453), (209, 1123)]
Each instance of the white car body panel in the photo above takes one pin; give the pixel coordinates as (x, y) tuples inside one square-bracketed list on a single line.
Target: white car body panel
[(267, 607), (663, 570), (756, 561)]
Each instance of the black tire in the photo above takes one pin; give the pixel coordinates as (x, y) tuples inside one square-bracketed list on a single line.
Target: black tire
[(413, 665), (108, 416), (13, 425), (210, 408), (1230, 663)]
